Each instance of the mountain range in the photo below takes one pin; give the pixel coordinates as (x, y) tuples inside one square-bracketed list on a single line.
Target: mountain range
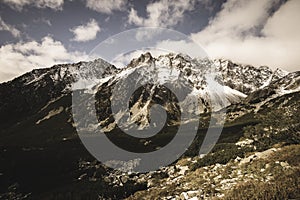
[(43, 157)]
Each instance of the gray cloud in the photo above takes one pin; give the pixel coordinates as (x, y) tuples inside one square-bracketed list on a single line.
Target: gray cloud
[(6, 27), (43, 20)]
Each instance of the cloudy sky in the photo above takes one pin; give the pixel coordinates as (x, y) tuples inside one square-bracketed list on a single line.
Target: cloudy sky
[(40, 33)]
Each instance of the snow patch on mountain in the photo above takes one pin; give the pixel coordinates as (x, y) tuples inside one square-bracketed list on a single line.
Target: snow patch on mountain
[(51, 113)]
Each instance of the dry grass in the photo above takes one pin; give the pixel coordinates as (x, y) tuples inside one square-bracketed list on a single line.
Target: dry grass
[(286, 186), (286, 182)]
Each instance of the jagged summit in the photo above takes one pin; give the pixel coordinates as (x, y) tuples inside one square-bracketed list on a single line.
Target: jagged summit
[(244, 78), (49, 84)]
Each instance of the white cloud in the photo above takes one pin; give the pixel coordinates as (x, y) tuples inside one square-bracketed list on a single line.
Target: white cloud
[(19, 4), (182, 46), (163, 13), (106, 6), (6, 27), (22, 57), (244, 31), (86, 32)]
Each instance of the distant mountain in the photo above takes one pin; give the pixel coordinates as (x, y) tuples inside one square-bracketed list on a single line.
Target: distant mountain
[(246, 78)]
